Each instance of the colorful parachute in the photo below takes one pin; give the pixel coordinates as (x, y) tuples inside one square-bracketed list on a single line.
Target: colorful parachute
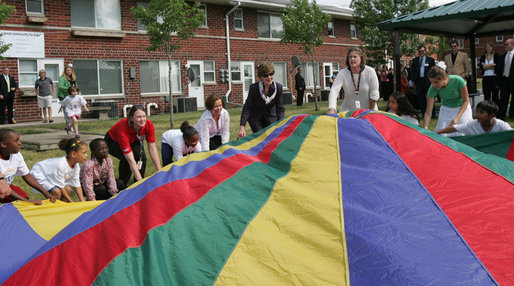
[(362, 198)]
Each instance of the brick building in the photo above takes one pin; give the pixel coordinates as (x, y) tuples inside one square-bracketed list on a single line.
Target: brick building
[(106, 47)]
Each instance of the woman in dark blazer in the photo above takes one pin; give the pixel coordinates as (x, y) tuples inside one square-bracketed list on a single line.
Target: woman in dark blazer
[(264, 104), (489, 66)]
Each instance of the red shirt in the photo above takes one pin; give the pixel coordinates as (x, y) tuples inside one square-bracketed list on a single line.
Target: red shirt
[(125, 135)]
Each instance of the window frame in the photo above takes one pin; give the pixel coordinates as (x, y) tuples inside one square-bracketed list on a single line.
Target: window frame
[(99, 95), (353, 31), (162, 92), (334, 68), (96, 17), (333, 33), (307, 74), (239, 70), (205, 23), (269, 15), (499, 38), (213, 71), (477, 41), (284, 65), (35, 13), (241, 18)]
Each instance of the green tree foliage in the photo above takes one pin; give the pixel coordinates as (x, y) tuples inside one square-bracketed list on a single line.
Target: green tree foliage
[(5, 11), (368, 13), (167, 23), (303, 24)]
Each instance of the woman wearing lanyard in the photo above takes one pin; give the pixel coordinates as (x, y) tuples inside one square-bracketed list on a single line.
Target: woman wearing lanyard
[(359, 82), (213, 126), (125, 141)]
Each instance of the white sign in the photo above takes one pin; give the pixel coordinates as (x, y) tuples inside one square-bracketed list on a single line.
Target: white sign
[(24, 44)]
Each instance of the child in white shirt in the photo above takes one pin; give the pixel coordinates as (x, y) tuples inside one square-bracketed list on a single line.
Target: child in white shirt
[(179, 143), (486, 121), (73, 103)]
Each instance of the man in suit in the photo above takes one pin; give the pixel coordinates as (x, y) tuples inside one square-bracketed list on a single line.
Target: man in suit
[(8, 87), (505, 77), (419, 79), (299, 86), (457, 62)]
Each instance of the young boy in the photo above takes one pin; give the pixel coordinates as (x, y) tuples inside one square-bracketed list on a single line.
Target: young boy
[(486, 121), (12, 164), (97, 173)]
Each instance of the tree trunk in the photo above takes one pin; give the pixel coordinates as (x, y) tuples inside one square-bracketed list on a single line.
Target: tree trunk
[(314, 81), (168, 51)]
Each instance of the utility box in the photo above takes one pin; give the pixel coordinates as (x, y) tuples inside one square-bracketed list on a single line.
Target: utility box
[(288, 97), (113, 112), (186, 104)]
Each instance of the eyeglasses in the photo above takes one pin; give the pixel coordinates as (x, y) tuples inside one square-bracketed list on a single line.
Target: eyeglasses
[(421, 51), (268, 74), (453, 46)]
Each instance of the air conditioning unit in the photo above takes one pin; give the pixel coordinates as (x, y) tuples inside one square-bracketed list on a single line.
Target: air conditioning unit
[(287, 97), (186, 104), (113, 112)]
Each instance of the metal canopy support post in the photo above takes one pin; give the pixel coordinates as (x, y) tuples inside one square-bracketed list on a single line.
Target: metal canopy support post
[(397, 63), (473, 87)]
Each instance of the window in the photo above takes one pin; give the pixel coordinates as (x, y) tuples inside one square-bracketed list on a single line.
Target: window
[(280, 73), (307, 74), (204, 8), (269, 26), (477, 41), (330, 29), (28, 72), (34, 6), (143, 3), (154, 76), (209, 72), (99, 77), (499, 38), (235, 70), (238, 19), (329, 69), (100, 14), (477, 63), (353, 31)]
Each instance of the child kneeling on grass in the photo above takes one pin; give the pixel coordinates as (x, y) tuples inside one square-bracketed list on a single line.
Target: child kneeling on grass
[(97, 173), (58, 174), (12, 164), (486, 121)]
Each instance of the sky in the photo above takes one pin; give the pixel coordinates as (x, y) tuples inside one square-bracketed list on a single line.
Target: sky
[(346, 3)]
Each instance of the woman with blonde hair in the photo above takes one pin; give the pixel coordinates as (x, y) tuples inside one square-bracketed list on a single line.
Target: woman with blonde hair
[(264, 104)]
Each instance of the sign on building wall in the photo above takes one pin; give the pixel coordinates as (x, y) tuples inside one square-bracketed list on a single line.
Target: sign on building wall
[(24, 44)]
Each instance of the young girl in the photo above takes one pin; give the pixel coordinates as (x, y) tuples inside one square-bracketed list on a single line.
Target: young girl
[(12, 164), (178, 143), (97, 173), (73, 107), (399, 104), (58, 174)]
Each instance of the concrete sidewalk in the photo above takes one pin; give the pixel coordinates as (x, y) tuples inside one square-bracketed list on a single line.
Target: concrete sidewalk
[(48, 138)]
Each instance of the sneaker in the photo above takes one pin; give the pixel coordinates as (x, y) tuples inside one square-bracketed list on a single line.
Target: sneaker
[(77, 136)]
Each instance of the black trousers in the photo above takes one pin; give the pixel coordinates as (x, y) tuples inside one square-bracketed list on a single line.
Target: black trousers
[(101, 190), (124, 167), (7, 102), (506, 91), (214, 142), (490, 90), (299, 96), (422, 85)]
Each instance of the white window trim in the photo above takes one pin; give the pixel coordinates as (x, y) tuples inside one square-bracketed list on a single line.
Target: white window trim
[(270, 33), (352, 25), (109, 95), (242, 20), (163, 93), (36, 13), (331, 64), (305, 71), (284, 84), (213, 71), (333, 29), (240, 80), (205, 23), (499, 38), (477, 41)]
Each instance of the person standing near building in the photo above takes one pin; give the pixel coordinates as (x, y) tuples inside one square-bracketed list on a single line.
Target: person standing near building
[(8, 88), (489, 66), (66, 80), (505, 78), (299, 86), (44, 89), (419, 79), (457, 62)]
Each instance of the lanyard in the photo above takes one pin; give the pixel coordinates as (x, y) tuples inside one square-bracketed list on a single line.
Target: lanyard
[(140, 138), (356, 87)]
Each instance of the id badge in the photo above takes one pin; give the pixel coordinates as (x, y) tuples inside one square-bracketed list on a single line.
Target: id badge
[(139, 164), (357, 104)]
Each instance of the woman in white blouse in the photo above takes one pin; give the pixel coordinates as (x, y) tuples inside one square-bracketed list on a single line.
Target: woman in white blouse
[(359, 83), (213, 126)]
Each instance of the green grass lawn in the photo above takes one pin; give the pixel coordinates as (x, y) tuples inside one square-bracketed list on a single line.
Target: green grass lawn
[(162, 123)]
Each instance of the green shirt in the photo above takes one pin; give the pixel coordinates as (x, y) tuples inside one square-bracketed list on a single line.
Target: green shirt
[(450, 95)]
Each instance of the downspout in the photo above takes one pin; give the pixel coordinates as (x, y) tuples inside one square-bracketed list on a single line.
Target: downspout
[(238, 3)]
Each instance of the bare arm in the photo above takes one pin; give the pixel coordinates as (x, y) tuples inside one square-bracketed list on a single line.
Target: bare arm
[(133, 165), (449, 129), (428, 112), (372, 104), (465, 96), (5, 190), (154, 155), (31, 181), (80, 194)]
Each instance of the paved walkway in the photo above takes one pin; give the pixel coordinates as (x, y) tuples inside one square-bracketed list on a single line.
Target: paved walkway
[(48, 138)]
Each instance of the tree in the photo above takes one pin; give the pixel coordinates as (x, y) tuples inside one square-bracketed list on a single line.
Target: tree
[(167, 23), (303, 23), (5, 11), (368, 13)]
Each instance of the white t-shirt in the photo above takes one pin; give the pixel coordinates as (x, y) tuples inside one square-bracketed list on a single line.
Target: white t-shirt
[(173, 137), (474, 127), (73, 105), (14, 166), (56, 172), (207, 128)]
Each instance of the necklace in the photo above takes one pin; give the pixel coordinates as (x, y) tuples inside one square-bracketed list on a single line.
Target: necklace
[(267, 99)]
